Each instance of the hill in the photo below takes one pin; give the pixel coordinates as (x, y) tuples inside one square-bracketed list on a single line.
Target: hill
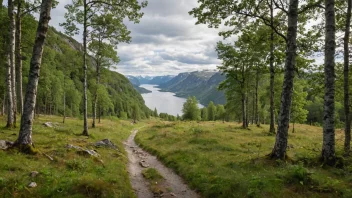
[(202, 84), (62, 75)]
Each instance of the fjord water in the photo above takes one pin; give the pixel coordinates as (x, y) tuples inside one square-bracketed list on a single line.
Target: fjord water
[(164, 102)]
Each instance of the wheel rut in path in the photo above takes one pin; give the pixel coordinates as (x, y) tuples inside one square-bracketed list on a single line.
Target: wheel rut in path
[(174, 183)]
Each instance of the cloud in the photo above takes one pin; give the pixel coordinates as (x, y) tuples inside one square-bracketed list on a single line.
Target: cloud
[(166, 41)]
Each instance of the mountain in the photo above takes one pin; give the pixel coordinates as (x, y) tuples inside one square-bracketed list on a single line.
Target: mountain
[(156, 80), (138, 80), (202, 84), (61, 76), (136, 84)]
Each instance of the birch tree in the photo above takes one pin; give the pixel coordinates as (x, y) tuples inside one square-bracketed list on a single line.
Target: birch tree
[(84, 12), (328, 150), (24, 141)]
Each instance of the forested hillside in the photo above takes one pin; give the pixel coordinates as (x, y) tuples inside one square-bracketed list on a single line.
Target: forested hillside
[(61, 76), (202, 84)]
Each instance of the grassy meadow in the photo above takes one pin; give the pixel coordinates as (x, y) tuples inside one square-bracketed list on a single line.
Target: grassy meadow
[(222, 160), (69, 174)]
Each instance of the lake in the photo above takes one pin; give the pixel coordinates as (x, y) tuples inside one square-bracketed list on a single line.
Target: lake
[(164, 102)]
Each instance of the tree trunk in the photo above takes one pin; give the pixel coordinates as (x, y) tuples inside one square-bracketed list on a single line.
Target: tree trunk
[(96, 93), (257, 98), (279, 150), (272, 73), (24, 140), (99, 113), (253, 108), (63, 120), (12, 60), (244, 115), (347, 145), (85, 114), (328, 150), (19, 55), (11, 64), (293, 127)]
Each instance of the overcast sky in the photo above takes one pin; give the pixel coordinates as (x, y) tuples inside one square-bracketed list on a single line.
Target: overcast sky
[(166, 41)]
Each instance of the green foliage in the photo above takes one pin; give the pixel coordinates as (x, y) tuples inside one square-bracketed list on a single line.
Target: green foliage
[(220, 112), (155, 113), (61, 72), (211, 109), (190, 109)]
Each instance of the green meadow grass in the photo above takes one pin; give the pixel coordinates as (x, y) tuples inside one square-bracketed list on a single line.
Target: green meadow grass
[(222, 160), (69, 174)]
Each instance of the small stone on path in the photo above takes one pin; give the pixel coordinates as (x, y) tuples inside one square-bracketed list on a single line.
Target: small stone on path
[(144, 164)]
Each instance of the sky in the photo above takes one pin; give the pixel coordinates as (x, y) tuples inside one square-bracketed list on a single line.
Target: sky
[(165, 42)]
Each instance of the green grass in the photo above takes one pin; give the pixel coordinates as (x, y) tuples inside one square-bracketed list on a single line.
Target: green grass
[(222, 160), (69, 174), (152, 174)]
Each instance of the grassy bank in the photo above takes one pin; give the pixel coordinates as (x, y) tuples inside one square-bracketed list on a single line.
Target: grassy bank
[(69, 174), (222, 160)]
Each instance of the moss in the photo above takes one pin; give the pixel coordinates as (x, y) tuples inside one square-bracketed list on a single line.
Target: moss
[(27, 149)]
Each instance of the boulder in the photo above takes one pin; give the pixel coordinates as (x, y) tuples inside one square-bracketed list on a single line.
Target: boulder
[(48, 124), (5, 144), (105, 143), (82, 151)]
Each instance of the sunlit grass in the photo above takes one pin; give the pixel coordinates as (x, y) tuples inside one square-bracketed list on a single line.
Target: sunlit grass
[(223, 160), (69, 174)]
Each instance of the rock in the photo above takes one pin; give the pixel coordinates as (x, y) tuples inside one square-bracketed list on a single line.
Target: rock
[(144, 164), (32, 185), (70, 146), (34, 173), (48, 124), (105, 143), (5, 144), (88, 153), (82, 151), (173, 194)]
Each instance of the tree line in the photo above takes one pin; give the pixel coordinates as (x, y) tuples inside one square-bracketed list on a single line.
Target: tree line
[(64, 88), (280, 38)]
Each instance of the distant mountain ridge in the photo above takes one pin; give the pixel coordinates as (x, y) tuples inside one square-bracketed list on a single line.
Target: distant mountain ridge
[(152, 80), (202, 84), (136, 81)]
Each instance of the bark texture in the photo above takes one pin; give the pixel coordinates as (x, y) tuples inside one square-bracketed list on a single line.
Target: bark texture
[(25, 135), (272, 72), (19, 55), (328, 150), (347, 145), (279, 150), (12, 58), (9, 95), (85, 102), (10, 65)]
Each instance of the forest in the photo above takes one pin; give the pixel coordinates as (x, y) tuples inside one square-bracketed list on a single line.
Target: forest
[(286, 65)]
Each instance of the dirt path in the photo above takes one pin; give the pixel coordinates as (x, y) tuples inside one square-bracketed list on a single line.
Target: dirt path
[(175, 185)]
